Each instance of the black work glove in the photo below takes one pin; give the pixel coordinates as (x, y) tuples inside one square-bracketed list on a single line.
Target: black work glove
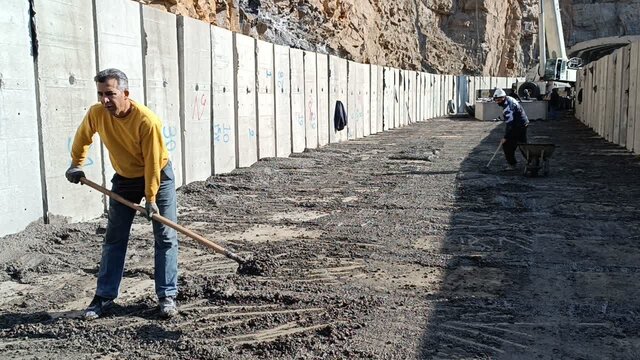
[(151, 208), (74, 174)]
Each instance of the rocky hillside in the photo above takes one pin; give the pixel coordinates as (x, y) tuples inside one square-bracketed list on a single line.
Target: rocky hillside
[(491, 37)]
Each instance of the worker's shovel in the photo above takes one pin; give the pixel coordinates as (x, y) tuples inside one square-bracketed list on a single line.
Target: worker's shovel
[(245, 266)]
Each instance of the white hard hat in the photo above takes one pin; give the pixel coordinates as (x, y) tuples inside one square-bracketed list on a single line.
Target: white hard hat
[(499, 93)]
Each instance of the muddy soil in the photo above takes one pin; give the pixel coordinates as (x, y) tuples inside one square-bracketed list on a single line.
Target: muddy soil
[(397, 246)]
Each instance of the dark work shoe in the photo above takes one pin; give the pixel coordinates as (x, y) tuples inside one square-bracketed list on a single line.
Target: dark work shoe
[(98, 306), (168, 307)]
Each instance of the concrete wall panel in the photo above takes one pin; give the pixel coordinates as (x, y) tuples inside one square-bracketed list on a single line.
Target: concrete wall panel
[(407, 97), (418, 100), (437, 88), (602, 95), (396, 98), (411, 88), (462, 92), (120, 46), (224, 101), (365, 76), (417, 78), (194, 47), (613, 107), (423, 96), (587, 94), (374, 101), (283, 101), (612, 84), (448, 91), (298, 126), (19, 144), (634, 66), (246, 119), (472, 89), (352, 105), (633, 131), (338, 91), (322, 64), (486, 83), (429, 97), (579, 90), (162, 86), (410, 96), (119, 41), (454, 91), (387, 98), (380, 101), (617, 96), (436, 96), (624, 110), (435, 100), (310, 100), (266, 100), (594, 97), (402, 101), (67, 90), (411, 91)]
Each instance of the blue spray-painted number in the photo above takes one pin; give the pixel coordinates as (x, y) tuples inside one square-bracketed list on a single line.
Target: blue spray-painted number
[(169, 134)]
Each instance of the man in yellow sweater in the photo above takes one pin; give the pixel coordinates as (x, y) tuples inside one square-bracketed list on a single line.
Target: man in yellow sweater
[(133, 135)]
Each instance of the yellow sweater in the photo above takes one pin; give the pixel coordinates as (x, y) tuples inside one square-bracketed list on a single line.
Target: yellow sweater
[(135, 143)]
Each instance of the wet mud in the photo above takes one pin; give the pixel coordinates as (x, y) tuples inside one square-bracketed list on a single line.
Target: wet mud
[(400, 245)]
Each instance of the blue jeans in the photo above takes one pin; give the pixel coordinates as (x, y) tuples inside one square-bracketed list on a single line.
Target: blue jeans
[(114, 247)]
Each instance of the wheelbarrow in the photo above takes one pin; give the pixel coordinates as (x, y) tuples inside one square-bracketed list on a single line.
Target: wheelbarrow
[(537, 156)]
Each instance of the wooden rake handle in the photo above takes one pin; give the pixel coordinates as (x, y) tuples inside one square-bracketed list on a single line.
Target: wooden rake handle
[(494, 155), (161, 219)]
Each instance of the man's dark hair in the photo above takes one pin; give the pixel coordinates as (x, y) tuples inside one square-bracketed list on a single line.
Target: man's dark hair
[(118, 75)]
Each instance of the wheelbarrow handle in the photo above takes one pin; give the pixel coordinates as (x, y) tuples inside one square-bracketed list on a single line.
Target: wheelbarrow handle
[(161, 219)]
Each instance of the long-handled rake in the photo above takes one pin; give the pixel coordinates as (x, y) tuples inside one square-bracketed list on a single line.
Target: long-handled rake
[(246, 266)]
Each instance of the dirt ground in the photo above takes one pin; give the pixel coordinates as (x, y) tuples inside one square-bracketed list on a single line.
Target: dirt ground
[(396, 246)]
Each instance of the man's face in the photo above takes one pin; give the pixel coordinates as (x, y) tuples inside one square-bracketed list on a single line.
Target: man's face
[(113, 99), (500, 100)]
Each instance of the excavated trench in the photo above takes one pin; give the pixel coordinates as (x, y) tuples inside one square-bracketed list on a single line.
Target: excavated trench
[(398, 245)]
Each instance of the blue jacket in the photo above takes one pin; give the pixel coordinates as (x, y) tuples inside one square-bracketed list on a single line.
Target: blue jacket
[(514, 116)]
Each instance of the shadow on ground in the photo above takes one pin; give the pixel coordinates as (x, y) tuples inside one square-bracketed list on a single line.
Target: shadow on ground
[(545, 267)]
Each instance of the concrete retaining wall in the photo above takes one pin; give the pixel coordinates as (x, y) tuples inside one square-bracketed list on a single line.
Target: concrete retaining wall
[(266, 100), (607, 96), (322, 71), (298, 126), (225, 99), (194, 49), (338, 91), (283, 100), (162, 79), (310, 100), (66, 67), (246, 114), (20, 191)]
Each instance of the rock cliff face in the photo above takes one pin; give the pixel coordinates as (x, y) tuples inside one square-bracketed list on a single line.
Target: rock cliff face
[(588, 19), (491, 37)]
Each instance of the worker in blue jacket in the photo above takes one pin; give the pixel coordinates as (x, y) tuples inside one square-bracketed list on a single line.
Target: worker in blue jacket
[(516, 123)]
